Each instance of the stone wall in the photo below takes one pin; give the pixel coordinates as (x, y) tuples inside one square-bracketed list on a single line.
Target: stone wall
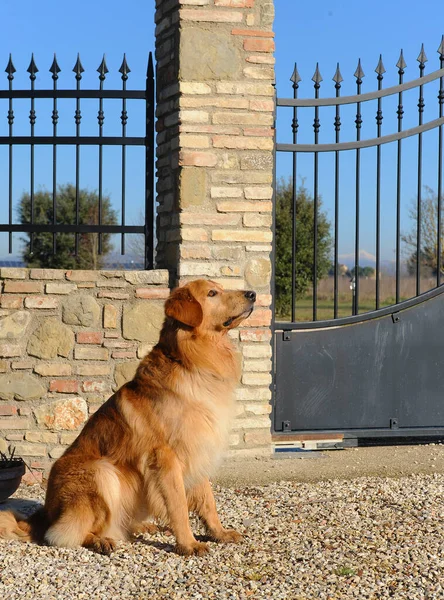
[(215, 123), (68, 339)]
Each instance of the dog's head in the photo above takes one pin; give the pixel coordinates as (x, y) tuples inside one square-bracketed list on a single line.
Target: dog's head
[(207, 306)]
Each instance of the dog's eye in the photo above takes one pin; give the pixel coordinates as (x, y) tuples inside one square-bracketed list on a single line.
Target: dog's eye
[(212, 293)]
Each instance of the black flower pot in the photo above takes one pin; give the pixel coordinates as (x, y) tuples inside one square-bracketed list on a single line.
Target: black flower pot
[(11, 473)]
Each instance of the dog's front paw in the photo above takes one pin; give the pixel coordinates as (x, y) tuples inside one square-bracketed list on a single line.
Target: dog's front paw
[(228, 536), (196, 548)]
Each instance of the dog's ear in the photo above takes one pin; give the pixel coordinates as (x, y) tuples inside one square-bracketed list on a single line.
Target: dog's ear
[(183, 307)]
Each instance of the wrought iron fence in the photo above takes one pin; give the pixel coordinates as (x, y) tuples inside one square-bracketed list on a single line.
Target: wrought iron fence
[(78, 140), (316, 104)]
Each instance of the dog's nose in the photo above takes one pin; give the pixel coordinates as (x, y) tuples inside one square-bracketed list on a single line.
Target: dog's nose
[(250, 295)]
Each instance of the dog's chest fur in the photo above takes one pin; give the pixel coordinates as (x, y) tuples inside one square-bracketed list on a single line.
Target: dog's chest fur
[(199, 423)]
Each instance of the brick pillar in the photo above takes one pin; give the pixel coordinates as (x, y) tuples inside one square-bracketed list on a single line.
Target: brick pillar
[(215, 112)]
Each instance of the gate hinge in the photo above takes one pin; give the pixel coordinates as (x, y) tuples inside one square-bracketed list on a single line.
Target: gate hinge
[(393, 423), (396, 317), (286, 425), (286, 336)]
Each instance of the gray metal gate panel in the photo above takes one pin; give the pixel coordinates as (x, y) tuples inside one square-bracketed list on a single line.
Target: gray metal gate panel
[(376, 374)]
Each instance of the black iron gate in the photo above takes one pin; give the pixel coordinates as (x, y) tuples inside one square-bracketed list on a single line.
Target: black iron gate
[(54, 223), (377, 371)]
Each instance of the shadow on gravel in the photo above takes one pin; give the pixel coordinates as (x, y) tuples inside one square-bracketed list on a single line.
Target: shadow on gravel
[(26, 507)]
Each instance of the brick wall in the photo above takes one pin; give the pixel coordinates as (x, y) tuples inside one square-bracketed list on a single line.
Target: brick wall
[(215, 115), (68, 339)]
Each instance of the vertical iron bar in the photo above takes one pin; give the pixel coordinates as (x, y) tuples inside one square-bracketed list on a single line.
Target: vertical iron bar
[(103, 70), (400, 112), (380, 74), (32, 70), (440, 144), (124, 69), (295, 78), (78, 70), (316, 126), (337, 79), (359, 74), (10, 70), (149, 166), (421, 59), (55, 116)]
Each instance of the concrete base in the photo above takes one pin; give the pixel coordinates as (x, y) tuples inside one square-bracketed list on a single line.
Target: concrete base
[(387, 461)]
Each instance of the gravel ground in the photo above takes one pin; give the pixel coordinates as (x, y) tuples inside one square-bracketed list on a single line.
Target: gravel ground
[(371, 537)]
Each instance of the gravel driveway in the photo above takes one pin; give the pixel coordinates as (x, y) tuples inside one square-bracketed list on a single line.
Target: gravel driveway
[(371, 537)]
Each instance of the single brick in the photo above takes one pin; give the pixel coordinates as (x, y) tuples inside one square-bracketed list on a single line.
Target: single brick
[(22, 287), (255, 220), (253, 33), (113, 295), (245, 88), (259, 318), (22, 364), (211, 16), (243, 118), (117, 344), (7, 350), (60, 288), (89, 337), (188, 218), (194, 141), (91, 370), (258, 45), (82, 275), (256, 379), (11, 301), (65, 386), (226, 192), (41, 302), (262, 105), (110, 314), (47, 274), (259, 131), (193, 234), (194, 116), (256, 394), (261, 59), (14, 423), (242, 235), (53, 369), (235, 3), (41, 436), (85, 353), (7, 410), (258, 365), (122, 354), (148, 293), (242, 143), (256, 207), (94, 386), (255, 335), (13, 273), (24, 411), (256, 351), (187, 87), (197, 159)]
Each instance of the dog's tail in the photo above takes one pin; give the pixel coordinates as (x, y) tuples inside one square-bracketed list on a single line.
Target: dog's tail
[(15, 526)]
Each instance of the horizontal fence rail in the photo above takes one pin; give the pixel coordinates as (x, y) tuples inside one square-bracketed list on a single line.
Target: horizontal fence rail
[(299, 107), (54, 226)]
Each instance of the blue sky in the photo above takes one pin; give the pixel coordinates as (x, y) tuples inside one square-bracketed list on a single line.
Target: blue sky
[(324, 32)]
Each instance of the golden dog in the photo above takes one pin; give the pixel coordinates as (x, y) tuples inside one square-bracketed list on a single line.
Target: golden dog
[(148, 451)]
